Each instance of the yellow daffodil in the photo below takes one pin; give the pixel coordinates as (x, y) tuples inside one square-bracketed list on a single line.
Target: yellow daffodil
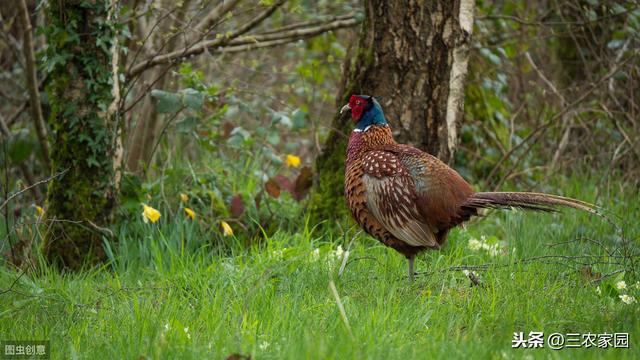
[(292, 161), (150, 214), (190, 213), (226, 228), (184, 198), (40, 210)]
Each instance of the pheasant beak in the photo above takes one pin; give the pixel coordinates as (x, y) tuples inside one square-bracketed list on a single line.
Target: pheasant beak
[(345, 108)]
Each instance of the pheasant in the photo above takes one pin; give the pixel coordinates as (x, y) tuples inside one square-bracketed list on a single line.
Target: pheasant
[(408, 199)]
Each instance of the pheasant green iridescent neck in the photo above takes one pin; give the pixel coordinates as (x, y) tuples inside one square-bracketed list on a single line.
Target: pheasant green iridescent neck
[(372, 116)]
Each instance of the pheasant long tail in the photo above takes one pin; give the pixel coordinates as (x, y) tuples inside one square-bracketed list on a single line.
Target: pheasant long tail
[(532, 201), (527, 201)]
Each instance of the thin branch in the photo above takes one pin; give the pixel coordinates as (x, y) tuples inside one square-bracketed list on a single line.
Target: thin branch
[(44, 181), (12, 43), (15, 281), (537, 22), (561, 259), (16, 115), (221, 41), (32, 83), (258, 19), (216, 14), (304, 24), (222, 45), (538, 131)]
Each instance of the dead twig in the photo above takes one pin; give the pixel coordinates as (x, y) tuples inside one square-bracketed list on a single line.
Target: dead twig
[(44, 181)]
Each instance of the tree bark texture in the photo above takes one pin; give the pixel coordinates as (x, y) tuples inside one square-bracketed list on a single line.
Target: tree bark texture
[(83, 90), (414, 55)]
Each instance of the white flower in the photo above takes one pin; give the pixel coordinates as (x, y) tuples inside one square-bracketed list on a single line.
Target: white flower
[(637, 285), (264, 345), (166, 326), (598, 291), (494, 250), (315, 254), (186, 331), (627, 299), (621, 285), (339, 252), (278, 253), (474, 244)]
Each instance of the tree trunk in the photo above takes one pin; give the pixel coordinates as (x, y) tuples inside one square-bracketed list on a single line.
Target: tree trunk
[(84, 96), (414, 55)]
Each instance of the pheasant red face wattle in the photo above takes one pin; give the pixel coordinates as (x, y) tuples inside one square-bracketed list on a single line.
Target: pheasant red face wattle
[(357, 105)]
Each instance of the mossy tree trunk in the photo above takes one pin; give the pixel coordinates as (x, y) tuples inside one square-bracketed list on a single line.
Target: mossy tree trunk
[(83, 89), (414, 55)]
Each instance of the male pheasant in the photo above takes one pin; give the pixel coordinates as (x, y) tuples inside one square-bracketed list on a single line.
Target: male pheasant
[(408, 199)]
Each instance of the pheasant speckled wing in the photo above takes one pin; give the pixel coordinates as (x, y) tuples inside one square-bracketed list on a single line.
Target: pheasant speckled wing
[(391, 198), (440, 191)]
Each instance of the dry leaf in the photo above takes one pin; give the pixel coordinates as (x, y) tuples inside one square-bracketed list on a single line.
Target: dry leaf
[(237, 206), (587, 272), (272, 188), (303, 183)]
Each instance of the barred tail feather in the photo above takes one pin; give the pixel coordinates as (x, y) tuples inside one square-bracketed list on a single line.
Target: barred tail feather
[(527, 201)]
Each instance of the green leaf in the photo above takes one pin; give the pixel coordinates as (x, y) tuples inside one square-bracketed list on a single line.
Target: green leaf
[(273, 138), (192, 99), (166, 101), (20, 147), (188, 124), (299, 119)]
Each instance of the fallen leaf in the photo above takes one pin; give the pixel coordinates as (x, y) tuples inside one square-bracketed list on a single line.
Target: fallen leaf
[(284, 183), (237, 206), (272, 188), (587, 272), (304, 181), (227, 128)]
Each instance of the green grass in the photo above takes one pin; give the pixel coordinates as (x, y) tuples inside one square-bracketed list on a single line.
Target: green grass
[(273, 300)]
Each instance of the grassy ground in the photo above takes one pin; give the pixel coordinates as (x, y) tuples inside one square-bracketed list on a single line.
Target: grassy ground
[(170, 295)]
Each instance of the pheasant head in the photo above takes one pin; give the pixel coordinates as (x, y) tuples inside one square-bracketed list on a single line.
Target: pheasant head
[(365, 111), (372, 130)]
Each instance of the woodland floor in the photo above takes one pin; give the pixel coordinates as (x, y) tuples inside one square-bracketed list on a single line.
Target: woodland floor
[(159, 300)]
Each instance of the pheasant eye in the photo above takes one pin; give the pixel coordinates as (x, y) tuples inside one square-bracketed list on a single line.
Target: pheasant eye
[(358, 102)]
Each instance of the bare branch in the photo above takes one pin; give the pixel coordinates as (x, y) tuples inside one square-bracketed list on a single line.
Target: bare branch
[(542, 128), (303, 24), (16, 115), (13, 44), (32, 82), (44, 181), (250, 42), (216, 14), (258, 19)]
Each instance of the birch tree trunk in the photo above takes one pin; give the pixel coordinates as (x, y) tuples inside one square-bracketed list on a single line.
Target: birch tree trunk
[(414, 55), (84, 93)]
